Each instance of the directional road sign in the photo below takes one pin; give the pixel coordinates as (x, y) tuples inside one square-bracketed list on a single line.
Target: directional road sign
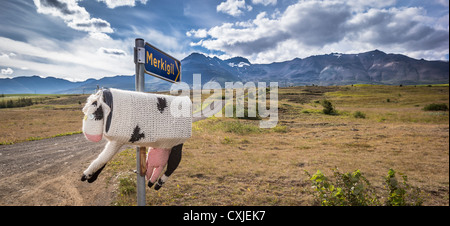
[(161, 64)]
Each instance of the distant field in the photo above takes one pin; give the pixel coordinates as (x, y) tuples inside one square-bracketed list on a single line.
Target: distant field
[(232, 161), (50, 115)]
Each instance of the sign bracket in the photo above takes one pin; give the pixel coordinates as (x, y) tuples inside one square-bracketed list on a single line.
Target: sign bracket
[(140, 55)]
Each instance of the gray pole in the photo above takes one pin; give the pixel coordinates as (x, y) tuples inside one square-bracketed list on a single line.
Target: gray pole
[(140, 151)]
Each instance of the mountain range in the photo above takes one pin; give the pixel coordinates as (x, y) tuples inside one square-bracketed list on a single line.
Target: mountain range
[(374, 67)]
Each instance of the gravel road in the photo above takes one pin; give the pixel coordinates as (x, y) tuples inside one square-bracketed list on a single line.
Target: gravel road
[(47, 172)]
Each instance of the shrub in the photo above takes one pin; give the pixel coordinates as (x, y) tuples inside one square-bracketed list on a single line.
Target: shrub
[(127, 186), (328, 108), (353, 189), (359, 114), (348, 189), (436, 107), (401, 194)]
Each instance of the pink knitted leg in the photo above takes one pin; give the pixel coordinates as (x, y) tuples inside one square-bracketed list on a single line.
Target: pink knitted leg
[(156, 161)]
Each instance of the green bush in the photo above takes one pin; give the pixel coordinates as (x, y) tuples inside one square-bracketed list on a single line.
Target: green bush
[(348, 189), (353, 189), (359, 114), (401, 194), (127, 186), (436, 107), (328, 108)]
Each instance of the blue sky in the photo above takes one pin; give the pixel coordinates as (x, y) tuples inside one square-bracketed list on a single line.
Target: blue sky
[(80, 39)]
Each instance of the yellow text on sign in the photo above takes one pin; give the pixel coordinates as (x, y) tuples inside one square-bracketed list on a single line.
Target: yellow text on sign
[(160, 64)]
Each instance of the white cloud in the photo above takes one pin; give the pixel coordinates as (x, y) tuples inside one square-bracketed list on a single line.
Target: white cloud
[(114, 52), (7, 55), (82, 58), (163, 41), (76, 60), (91, 25), (171, 44), (200, 33), (318, 27), (233, 7), (199, 43), (265, 2), (7, 71), (362, 5), (117, 3), (99, 36), (75, 16)]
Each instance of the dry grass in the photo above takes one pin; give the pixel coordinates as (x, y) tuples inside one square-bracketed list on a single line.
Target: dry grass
[(246, 165), (234, 162), (53, 115)]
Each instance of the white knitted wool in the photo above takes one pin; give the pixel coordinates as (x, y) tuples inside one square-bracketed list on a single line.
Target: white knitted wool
[(92, 125), (157, 127)]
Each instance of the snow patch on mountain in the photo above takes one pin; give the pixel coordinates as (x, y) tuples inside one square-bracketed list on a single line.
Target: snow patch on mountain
[(240, 64)]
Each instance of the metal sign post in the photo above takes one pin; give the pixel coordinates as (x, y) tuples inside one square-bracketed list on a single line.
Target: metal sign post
[(149, 59), (139, 50)]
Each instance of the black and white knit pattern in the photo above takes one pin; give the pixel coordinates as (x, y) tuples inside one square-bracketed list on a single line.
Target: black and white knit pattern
[(146, 119)]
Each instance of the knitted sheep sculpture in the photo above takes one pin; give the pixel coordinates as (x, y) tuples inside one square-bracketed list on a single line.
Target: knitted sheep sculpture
[(160, 122)]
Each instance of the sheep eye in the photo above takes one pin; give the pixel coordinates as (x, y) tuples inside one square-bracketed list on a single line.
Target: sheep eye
[(91, 116)]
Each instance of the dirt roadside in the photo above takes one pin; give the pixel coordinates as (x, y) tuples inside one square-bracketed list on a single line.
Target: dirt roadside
[(47, 173)]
